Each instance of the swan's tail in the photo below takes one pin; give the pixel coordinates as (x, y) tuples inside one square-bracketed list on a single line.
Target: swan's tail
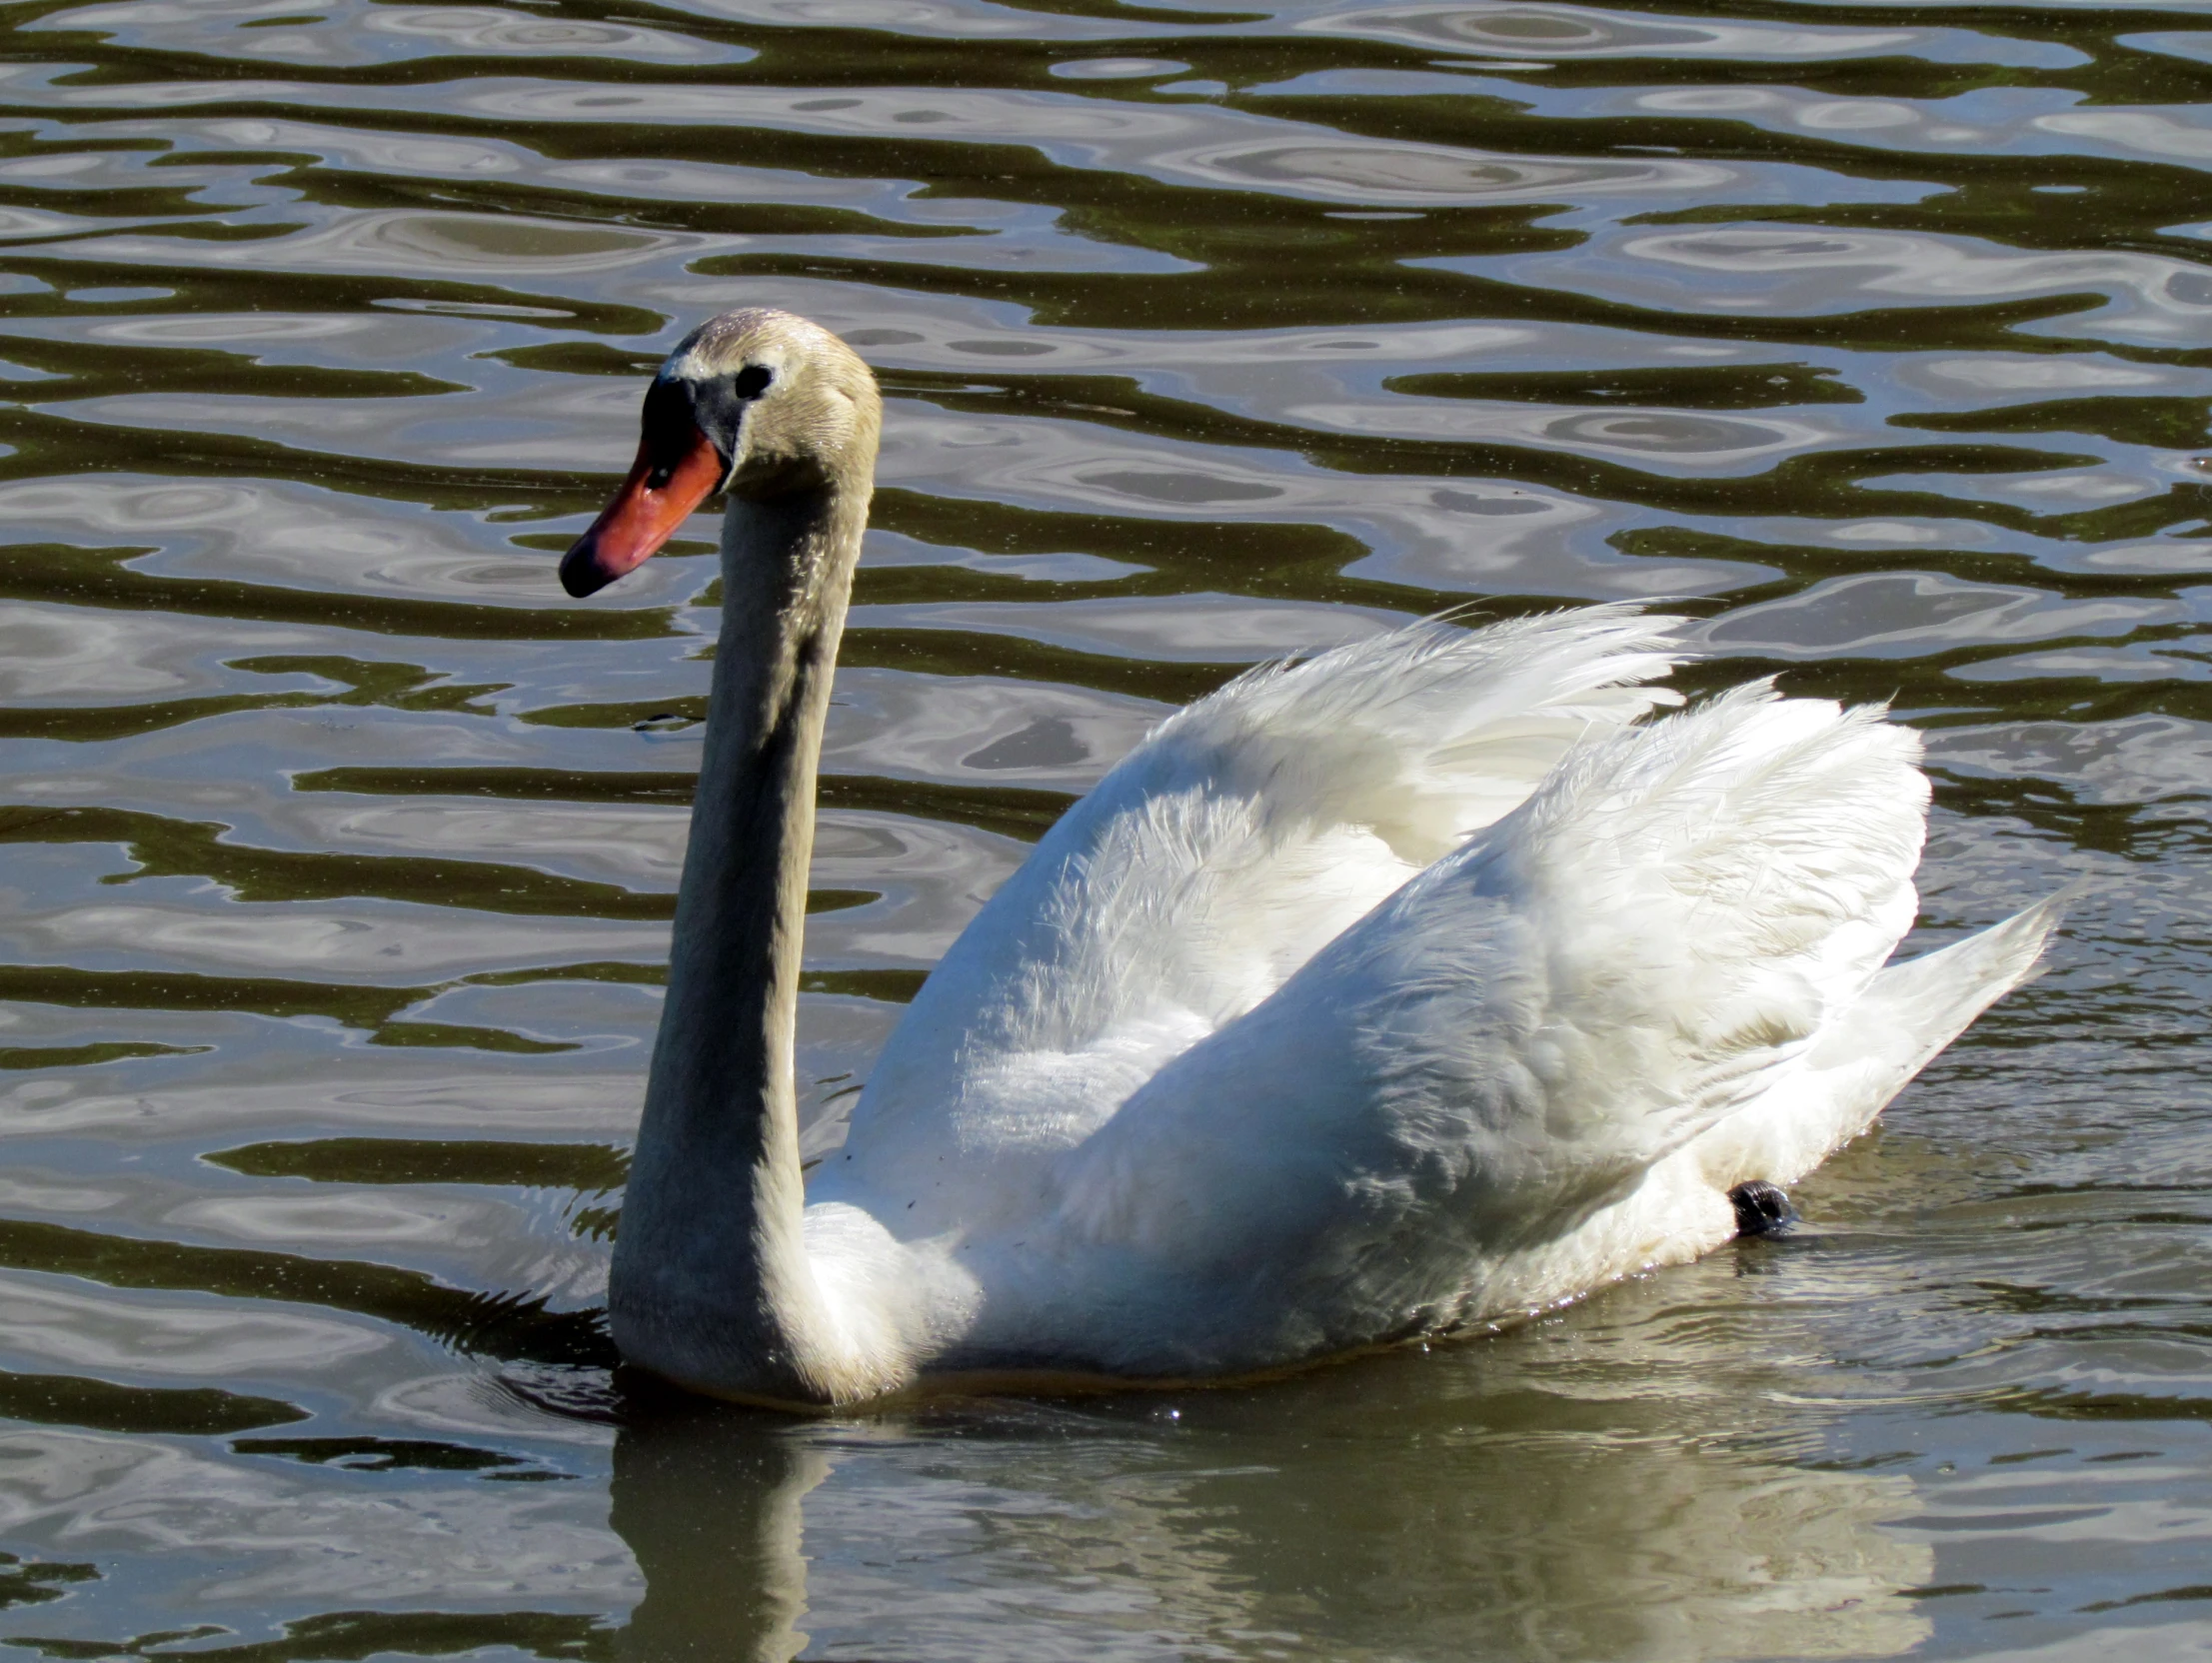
[(1912, 1010), (1907, 1015)]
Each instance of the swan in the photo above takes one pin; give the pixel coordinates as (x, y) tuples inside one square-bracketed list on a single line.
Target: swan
[(1404, 989)]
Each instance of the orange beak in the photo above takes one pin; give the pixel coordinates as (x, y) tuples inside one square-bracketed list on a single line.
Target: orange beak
[(657, 496)]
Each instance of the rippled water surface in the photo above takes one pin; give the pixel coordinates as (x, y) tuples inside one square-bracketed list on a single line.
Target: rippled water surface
[(340, 845)]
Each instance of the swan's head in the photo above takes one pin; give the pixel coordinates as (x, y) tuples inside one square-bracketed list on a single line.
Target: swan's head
[(755, 402)]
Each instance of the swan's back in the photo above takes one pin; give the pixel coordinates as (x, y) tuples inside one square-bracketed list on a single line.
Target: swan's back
[(1247, 832)]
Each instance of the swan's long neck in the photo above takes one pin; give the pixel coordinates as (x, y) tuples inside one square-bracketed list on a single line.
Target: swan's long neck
[(711, 1285)]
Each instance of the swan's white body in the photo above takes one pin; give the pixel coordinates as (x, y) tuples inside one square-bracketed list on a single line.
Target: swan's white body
[(1399, 990), (1417, 986)]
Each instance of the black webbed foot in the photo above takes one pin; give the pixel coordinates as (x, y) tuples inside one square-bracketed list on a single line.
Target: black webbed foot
[(1761, 1208)]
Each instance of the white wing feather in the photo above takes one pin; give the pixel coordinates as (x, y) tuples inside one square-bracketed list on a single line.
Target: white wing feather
[(1508, 1045), (1243, 835)]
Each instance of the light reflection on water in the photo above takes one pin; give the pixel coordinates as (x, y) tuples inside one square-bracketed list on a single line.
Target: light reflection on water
[(340, 845)]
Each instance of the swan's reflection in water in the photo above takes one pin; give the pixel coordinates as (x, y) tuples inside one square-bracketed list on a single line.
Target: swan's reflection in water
[(1630, 1482), (710, 1503)]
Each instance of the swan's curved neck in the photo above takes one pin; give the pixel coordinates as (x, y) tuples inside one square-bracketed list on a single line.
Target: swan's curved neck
[(711, 1285)]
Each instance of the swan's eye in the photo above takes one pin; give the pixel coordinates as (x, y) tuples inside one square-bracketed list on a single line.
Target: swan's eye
[(752, 380)]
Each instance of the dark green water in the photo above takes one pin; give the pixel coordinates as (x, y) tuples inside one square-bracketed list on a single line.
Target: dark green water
[(340, 845)]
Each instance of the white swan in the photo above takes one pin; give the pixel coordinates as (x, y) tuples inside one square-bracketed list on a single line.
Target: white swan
[(1413, 987)]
